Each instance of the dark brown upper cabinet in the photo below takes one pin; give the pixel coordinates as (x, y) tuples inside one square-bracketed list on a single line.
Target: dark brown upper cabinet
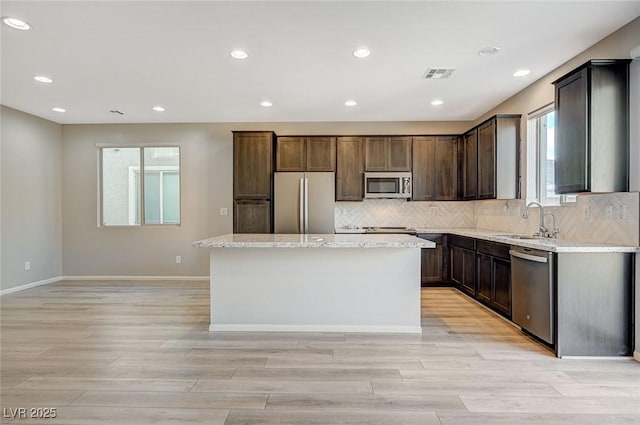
[(469, 165), (387, 153), (291, 154), (321, 154), (350, 169), (252, 165), (489, 159), (306, 154), (592, 128), (435, 168)]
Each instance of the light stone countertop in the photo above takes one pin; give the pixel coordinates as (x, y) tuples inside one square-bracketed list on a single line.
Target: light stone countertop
[(258, 240), (347, 230), (545, 244)]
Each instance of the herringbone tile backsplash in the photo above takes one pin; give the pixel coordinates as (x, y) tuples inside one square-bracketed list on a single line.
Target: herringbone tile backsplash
[(397, 212), (595, 218)]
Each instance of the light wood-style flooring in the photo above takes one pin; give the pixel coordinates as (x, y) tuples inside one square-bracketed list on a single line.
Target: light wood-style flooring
[(140, 353)]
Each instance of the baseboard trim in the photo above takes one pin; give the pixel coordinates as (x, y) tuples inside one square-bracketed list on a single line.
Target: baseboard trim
[(636, 355), (30, 285), (315, 328), (199, 278), (587, 358), (60, 278)]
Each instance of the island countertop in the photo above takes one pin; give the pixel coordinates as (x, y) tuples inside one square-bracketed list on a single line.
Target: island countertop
[(262, 240)]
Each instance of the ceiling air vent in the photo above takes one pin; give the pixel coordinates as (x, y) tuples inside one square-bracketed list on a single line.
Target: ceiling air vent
[(438, 73), (117, 112)]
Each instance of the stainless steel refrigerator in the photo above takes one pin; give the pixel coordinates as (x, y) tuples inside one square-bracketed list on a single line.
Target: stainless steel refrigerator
[(304, 202)]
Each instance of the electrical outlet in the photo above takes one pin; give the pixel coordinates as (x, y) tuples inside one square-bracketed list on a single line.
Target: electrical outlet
[(608, 211), (622, 212), (27, 265), (178, 259), (224, 211), (586, 211)]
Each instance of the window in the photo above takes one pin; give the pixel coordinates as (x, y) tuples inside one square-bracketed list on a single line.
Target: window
[(541, 157), (140, 185)]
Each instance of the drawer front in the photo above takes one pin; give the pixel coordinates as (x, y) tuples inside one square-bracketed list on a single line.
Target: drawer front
[(494, 249), (438, 238), (463, 242)]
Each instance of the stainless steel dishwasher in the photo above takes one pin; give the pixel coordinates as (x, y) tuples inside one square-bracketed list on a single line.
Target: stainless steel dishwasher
[(532, 291)]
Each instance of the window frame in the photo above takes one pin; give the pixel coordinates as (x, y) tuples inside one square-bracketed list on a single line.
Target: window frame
[(140, 146), (536, 179)]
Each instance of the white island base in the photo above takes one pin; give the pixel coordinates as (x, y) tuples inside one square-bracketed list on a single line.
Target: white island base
[(316, 288)]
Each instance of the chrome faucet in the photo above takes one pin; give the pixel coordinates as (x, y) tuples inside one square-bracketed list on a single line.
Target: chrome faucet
[(554, 233), (542, 231)]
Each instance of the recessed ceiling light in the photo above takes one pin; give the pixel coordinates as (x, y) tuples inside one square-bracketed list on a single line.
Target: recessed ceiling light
[(436, 102), (43, 79), (361, 52), (521, 73), (16, 23), (487, 51), (158, 108), (239, 54), (266, 103), (350, 103), (58, 109)]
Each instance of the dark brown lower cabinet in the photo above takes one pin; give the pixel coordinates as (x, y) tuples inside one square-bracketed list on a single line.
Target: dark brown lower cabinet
[(484, 291), (463, 263), (434, 270), (252, 216), (482, 269), (494, 276), (502, 286)]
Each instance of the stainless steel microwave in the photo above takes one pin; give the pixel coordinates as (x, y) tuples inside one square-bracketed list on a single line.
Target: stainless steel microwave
[(387, 185)]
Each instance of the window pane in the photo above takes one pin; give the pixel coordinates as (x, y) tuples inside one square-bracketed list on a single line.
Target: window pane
[(171, 197), (152, 197), (162, 185), (120, 186), (549, 123)]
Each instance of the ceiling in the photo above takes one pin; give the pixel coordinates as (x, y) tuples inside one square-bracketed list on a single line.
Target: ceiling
[(129, 56)]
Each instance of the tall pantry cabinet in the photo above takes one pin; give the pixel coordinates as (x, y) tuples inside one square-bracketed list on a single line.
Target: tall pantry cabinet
[(253, 157)]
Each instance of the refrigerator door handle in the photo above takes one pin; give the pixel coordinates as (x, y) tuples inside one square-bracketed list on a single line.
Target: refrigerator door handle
[(306, 205), (301, 207)]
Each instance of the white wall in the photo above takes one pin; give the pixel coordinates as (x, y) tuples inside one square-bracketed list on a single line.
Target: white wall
[(31, 199), (89, 250)]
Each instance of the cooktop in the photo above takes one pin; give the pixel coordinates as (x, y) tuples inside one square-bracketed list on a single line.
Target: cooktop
[(382, 229)]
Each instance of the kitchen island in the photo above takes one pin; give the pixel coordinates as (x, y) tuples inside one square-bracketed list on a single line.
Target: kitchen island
[(315, 283)]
